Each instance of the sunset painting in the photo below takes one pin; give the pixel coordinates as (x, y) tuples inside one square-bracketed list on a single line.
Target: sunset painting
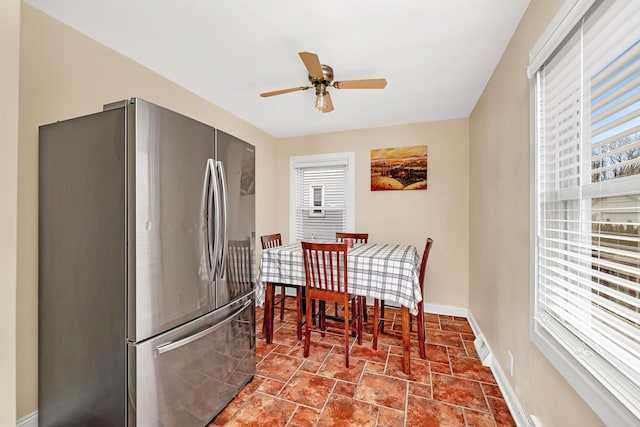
[(400, 168)]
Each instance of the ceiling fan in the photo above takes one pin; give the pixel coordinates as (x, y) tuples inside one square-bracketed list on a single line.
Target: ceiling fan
[(321, 77)]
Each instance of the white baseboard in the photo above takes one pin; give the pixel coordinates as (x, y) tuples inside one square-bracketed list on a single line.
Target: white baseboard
[(30, 420), (486, 355), (447, 310)]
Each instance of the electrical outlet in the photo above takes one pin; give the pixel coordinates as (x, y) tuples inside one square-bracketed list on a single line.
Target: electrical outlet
[(510, 362)]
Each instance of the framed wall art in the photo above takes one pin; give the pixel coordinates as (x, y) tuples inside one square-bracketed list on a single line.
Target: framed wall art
[(399, 168)]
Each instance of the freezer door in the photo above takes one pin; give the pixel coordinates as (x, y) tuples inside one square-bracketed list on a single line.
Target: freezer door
[(236, 259), (170, 208), (185, 377)]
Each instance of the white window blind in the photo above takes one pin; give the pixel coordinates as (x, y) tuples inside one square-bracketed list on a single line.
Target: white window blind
[(587, 282), (322, 200)]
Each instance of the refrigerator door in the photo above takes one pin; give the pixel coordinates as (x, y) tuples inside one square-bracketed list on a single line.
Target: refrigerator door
[(236, 177), (186, 376), (170, 209)]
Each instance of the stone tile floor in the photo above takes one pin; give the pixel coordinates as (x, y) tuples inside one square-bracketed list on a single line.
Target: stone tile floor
[(450, 388)]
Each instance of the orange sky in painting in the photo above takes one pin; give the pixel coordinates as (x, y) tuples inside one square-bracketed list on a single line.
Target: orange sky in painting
[(399, 152)]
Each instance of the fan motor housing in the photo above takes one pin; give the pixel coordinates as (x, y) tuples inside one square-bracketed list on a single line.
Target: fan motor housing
[(327, 75)]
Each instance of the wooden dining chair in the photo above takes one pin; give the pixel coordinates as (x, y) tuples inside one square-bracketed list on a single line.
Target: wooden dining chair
[(357, 238), (239, 266), (325, 267), (272, 241), (378, 320)]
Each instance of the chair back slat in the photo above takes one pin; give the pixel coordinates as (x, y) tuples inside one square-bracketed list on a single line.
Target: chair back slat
[(239, 262), (271, 241), (357, 237), (325, 267)]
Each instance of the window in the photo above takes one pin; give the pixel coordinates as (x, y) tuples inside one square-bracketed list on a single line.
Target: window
[(321, 196), (586, 286), (316, 197)]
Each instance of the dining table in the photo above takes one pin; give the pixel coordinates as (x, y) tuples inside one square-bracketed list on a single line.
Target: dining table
[(388, 272)]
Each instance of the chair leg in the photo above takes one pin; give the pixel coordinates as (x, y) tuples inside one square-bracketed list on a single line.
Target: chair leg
[(346, 336), (307, 331), (376, 319), (359, 302), (354, 310), (382, 314), (299, 313), (266, 317), (282, 298), (322, 310), (421, 331)]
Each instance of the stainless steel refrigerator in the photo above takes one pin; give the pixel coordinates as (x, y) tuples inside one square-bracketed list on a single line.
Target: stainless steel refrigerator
[(146, 276)]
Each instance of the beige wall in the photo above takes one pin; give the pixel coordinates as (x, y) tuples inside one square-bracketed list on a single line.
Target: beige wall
[(441, 212), (499, 230), (9, 77), (65, 74)]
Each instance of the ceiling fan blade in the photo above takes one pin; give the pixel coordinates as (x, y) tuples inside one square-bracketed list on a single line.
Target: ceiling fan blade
[(328, 103), (281, 91), (312, 62), (361, 84)]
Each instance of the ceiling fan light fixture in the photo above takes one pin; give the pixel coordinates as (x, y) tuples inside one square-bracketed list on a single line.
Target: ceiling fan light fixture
[(321, 103)]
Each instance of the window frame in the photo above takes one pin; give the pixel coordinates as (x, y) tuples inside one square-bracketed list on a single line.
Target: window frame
[(319, 160), (609, 408)]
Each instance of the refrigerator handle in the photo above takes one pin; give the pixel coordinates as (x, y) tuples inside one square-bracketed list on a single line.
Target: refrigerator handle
[(206, 266), (224, 210), (191, 338), (214, 195)]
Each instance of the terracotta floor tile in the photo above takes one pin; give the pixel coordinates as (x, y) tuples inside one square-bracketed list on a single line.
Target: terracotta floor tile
[(432, 325), (491, 390), (374, 367), (290, 390), (342, 411), (478, 419), (450, 339), (420, 371), (458, 391), (441, 368), (471, 349), (471, 369), (345, 388), (305, 417), (460, 326), (308, 389), (437, 353), (468, 337), (396, 349), (500, 412), (333, 367), (430, 317), (317, 351), (262, 348), (278, 367), (382, 390), (366, 351), (263, 410), (271, 387), (418, 389), (388, 417), (282, 349), (423, 412), (285, 336), (310, 366)]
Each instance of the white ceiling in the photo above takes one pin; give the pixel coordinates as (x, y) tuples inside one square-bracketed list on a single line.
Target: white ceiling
[(437, 55)]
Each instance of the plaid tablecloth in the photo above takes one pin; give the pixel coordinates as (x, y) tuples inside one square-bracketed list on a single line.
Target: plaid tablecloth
[(383, 271)]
